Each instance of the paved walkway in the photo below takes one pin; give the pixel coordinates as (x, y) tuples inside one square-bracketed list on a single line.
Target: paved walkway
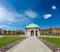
[(31, 44)]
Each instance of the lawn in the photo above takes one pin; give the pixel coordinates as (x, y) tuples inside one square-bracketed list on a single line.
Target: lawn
[(54, 41), (4, 41)]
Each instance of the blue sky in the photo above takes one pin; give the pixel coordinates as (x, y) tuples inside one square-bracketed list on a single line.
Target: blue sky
[(16, 14)]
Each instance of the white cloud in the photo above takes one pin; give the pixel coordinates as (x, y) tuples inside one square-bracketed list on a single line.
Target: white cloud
[(23, 20), (5, 27), (54, 7), (31, 14), (9, 23), (47, 16), (11, 19), (5, 15)]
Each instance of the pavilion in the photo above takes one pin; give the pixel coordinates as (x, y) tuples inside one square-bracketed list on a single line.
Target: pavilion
[(32, 30)]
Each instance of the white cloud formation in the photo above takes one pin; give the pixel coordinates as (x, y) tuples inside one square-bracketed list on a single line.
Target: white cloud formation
[(9, 23), (53, 7), (47, 16), (5, 27), (23, 20), (12, 17), (5, 15), (31, 14), (2, 14)]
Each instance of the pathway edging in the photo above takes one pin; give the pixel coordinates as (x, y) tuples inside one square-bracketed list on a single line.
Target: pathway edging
[(31, 44), (4, 49), (51, 46)]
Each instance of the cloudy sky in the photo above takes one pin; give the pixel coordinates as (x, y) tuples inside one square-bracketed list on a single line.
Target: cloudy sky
[(16, 14)]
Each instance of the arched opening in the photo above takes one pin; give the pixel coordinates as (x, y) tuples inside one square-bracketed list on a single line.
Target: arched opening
[(32, 33), (36, 33)]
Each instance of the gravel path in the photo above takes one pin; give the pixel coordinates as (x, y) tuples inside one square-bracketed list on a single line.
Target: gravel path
[(31, 44)]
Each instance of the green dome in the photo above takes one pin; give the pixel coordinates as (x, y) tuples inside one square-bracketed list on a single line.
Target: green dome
[(32, 26)]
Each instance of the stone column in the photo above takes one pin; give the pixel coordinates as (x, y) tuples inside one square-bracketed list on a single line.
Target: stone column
[(38, 33), (25, 33), (28, 32), (34, 32)]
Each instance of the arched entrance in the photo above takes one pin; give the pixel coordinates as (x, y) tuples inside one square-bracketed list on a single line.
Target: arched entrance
[(36, 33), (32, 33)]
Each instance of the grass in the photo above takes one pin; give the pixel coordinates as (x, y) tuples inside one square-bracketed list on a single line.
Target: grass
[(4, 41), (54, 41)]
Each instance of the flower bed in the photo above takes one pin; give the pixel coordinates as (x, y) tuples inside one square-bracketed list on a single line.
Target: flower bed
[(50, 45), (5, 46)]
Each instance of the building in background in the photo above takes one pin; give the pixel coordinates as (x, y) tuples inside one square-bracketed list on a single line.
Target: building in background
[(51, 31), (9, 32), (32, 30)]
